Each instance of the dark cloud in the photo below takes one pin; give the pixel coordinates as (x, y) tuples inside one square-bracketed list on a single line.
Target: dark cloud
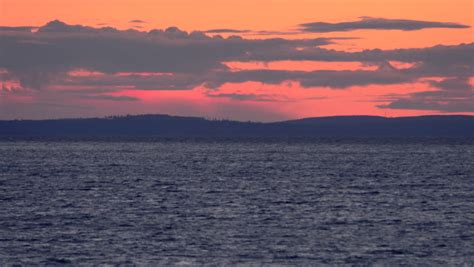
[(452, 95), (93, 91), (252, 32), (179, 81), (226, 31), (275, 32), (251, 97), (308, 79), (137, 21), (18, 28), (454, 84), (110, 97), (439, 55), (461, 105), (440, 61), (59, 26), (369, 23)]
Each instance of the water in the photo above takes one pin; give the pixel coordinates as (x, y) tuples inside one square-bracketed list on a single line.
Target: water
[(236, 203)]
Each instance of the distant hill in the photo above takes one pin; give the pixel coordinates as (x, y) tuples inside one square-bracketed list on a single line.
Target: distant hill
[(173, 126)]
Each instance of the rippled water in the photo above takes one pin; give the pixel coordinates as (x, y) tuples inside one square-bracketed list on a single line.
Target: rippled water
[(225, 203)]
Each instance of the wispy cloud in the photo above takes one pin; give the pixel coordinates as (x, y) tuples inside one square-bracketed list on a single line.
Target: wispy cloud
[(227, 31), (251, 97), (369, 23), (110, 97), (139, 21)]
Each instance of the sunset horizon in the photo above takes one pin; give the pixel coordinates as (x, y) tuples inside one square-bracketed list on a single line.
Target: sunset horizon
[(236, 132), (260, 62)]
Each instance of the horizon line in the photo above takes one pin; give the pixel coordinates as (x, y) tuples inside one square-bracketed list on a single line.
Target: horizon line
[(235, 120)]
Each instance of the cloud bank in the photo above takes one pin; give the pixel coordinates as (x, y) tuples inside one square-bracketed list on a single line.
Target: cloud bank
[(172, 59)]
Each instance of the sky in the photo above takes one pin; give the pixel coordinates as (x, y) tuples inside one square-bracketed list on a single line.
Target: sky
[(256, 60)]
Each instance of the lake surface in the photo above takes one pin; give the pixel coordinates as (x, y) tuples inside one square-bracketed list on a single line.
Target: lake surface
[(237, 203)]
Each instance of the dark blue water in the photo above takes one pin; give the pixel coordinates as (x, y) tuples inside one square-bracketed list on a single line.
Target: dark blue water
[(226, 203)]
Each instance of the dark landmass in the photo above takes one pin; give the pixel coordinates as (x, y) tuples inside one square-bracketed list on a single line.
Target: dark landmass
[(191, 127)]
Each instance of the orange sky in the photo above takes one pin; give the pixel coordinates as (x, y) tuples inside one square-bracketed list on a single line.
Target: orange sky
[(270, 15)]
